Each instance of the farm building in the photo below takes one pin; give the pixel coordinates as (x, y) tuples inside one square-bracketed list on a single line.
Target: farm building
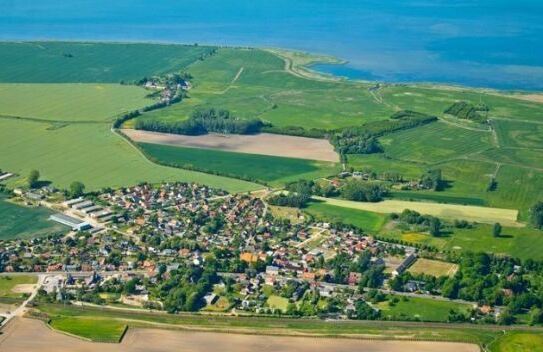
[(71, 202), (73, 223), (410, 259), (82, 205)]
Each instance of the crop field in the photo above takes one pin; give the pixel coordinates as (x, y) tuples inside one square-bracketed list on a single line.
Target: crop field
[(73, 62), (261, 168), (70, 102), (519, 134), (506, 217), (89, 153), (262, 143), (435, 142), (433, 267), (530, 158), (365, 220), (22, 222), (423, 309)]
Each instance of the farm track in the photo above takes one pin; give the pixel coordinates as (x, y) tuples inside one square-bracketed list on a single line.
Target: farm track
[(35, 119)]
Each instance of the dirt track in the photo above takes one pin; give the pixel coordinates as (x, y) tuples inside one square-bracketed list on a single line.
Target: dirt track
[(263, 143), (27, 335)]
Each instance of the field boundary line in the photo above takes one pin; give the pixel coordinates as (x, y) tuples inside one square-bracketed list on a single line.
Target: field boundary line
[(40, 120)]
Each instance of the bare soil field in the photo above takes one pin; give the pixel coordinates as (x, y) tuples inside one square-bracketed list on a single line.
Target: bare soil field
[(263, 143), (27, 335), (507, 217)]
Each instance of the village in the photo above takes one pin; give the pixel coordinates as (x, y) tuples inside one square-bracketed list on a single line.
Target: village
[(127, 245)]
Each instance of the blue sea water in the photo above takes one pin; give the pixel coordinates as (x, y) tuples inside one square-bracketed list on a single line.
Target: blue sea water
[(482, 43)]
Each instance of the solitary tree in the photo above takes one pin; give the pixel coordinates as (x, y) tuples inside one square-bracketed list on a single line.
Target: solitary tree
[(497, 230), (33, 178), (77, 189), (537, 215)]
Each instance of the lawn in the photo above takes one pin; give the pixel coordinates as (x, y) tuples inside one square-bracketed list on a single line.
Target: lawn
[(23, 222), (277, 302), (518, 342), (7, 283), (423, 309), (261, 168), (365, 220), (73, 62), (90, 153), (93, 328), (71, 102), (433, 267)]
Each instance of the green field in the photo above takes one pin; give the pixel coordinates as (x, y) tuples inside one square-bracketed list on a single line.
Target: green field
[(7, 283), (262, 168), (253, 83), (73, 62), (70, 102), (95, 328), (519, 134), (365, 220), (89, 153), (278, 302), (435, 142), (518, 342), (423, 309), (23, 222)]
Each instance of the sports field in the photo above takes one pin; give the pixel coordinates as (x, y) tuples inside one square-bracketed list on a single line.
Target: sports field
[(262, 168), (23, 222), (90, 153), (70, 102), (433, 267), (13, 287), (423, 309)]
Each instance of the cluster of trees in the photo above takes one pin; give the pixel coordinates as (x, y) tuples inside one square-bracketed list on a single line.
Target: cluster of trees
[(363, 140), (411, 217), (364, 191), (185, 288), (468, 111), (296, 131), (432, 179), (536, 215), (300, 192), (203, 122)]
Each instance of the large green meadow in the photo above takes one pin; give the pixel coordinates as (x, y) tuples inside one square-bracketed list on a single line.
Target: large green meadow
[(87, 62), (70, 102), (262, 168)]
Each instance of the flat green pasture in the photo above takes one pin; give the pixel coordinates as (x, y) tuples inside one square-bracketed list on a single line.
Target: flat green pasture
[(435, 99), (23, 222), (254, 83), (93, 328), (530, 158), (256, 167), (423, 309), (74, 62), (71, 102), (364, 220), (277, 302), (435, 142), (90, 153), (523, 243), (519, 134)]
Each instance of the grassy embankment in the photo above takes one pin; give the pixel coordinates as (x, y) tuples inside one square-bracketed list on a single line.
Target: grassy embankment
[(81, 320)]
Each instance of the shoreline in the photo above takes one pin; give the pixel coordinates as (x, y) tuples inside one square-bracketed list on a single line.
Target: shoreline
[(275, 49)]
